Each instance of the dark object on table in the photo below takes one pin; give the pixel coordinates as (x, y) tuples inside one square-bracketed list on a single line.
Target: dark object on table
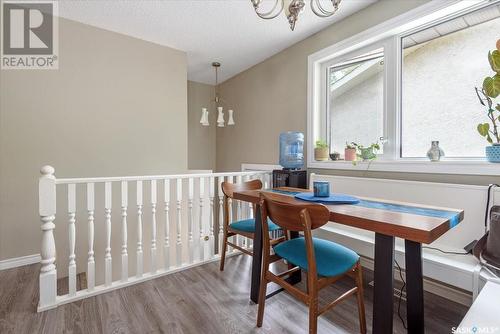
[(487, 249), (289, 178), (335, 156)]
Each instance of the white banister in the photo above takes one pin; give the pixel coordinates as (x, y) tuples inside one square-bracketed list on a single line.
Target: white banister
[(47, 211), (211, 236), (90, 261), (72, 239), (139, 266), (153, 226), (108, 268), (195, 226), (221, 211), (190, 244), (124, 188), (166, 242), (201, 241), (178, 250)]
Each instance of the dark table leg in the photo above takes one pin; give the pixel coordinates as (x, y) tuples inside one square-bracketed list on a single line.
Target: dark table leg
[(257, 257), (383, 293), (414, 287)]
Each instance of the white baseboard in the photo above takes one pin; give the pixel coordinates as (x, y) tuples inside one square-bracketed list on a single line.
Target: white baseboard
[(19, 261)]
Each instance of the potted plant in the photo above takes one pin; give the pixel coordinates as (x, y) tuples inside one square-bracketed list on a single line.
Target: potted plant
[(335, 156), (321, 151), (350, 152), (489, 91), (366, 153)]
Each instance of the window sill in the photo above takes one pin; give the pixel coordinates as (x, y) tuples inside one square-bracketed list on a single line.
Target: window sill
[(462, 167)]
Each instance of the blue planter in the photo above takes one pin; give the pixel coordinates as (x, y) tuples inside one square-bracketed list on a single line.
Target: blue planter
[(493, 153)]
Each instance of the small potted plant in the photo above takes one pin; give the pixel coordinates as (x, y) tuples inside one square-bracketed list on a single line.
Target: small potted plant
[(350, 152), (489, 91), (321, 151), (368, 153), (335, 156)]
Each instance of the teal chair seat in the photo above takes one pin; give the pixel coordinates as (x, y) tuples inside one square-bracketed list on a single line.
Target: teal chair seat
[(331, 259), (248, 225)]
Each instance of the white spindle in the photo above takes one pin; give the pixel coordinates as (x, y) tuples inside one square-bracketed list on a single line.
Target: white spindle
[(211, 237), (90, 261), (47, 211), (239, 239), (108, 268), (235, 238), (221, 211), (124, 188), (140, 268), (71, 230), (201, 242), (190, 220), (153, 226), (166, 243), (178, 250)]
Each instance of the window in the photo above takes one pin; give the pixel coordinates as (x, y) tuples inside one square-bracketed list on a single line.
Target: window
[(410, 81), (359, 79), (440, 67)]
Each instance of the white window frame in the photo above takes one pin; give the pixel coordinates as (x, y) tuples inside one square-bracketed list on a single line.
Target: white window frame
[(388, 36)]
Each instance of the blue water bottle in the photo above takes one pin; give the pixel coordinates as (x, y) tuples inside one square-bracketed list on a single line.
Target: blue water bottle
[(292, 150)]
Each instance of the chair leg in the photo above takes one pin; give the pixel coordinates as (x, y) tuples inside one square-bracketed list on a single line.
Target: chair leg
[(361, 302), (313, 315), (223, 252), (262, 294)]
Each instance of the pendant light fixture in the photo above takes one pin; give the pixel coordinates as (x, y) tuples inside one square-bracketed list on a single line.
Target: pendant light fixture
[(218, 104), (293, 8)]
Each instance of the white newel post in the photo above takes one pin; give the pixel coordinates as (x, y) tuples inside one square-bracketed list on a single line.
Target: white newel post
[(47, 211), (240, 240), (108, 267), (166, 243), (153, 226), (72, 240), (124, 188)]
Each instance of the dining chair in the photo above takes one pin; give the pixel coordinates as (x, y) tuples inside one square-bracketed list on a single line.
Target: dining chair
[(324, 261), (245, 227)]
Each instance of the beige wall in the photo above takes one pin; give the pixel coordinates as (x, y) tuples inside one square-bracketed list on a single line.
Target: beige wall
[(271, 97), (116, 106), (201, 139)]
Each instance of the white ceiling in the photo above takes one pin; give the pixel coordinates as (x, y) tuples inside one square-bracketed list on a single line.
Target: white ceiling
[(227, 31)]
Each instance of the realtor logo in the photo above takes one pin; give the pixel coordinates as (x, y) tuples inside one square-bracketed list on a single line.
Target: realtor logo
[(29, 35)]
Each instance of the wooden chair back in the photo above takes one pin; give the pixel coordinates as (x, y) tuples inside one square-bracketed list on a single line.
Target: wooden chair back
[(229, 188), (290, 215)]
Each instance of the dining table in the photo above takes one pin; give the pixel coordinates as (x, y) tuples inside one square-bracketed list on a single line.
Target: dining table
[(415, 223)]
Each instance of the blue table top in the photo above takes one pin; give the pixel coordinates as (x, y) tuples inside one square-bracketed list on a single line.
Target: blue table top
[(342, 199)]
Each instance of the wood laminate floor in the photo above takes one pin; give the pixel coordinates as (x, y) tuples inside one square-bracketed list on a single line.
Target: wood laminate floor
[(199, 300)]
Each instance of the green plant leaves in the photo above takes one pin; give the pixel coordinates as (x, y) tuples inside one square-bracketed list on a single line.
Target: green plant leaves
[(483, 129), (491, 85), (494, 59)]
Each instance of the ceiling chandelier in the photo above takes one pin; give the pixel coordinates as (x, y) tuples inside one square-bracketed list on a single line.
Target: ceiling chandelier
[(218, 101), (293, 8)]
